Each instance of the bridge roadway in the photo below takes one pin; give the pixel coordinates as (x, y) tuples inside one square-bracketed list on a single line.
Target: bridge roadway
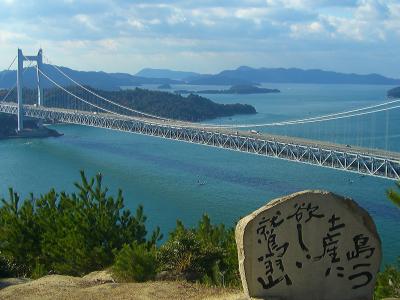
[(372, 162)]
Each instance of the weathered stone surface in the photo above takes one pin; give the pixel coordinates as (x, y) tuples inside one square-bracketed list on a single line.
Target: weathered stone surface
[(309, 245)]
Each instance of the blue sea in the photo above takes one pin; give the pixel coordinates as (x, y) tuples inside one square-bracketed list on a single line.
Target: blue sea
[(163, 175)]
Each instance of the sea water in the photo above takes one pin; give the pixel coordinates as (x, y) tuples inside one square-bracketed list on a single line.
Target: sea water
[(164, 175)]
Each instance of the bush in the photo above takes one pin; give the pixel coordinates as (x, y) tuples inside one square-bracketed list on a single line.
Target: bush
[(206, 253), (394, 195), (388, 283), (135, 262), (184, 254), (69, 234), (88, 230)]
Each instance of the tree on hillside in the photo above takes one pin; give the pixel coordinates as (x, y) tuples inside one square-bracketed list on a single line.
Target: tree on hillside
[(64, 233), (388, 281)]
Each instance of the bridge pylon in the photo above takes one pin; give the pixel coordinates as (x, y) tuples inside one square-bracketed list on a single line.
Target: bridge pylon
[(39, 82)]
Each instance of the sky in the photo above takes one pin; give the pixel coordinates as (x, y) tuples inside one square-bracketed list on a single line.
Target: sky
[(207, 36)]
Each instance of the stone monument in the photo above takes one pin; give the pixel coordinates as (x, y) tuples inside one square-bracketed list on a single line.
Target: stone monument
[(309, 245)]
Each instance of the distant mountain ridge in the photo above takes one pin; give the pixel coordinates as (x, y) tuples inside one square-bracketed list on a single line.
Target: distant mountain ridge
[(294, 75), (248, 75), (166, 73), (240, 76), (99, 80), (235, 89)]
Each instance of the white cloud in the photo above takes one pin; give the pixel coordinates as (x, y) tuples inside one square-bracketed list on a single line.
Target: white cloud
[(371, 10), (9, 36), (207, 29), (87, 21), (135, 23), (301, 30), (176, 17), (8, 2)]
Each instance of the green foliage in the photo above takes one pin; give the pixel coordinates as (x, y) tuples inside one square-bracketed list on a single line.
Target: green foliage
[(67, 233), (19, 234), (184, 254), (394, 195), (85, 231), (207, 253), (388, 283), (38, 271), (164, 104), (135, 262)]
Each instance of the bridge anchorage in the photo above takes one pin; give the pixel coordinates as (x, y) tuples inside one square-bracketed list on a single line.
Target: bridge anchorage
[(98, 111)]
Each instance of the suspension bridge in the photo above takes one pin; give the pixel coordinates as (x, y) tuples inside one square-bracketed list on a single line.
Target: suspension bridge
[(96, 110)]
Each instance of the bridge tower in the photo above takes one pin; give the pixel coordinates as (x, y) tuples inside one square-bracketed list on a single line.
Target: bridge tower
[(39, 82)]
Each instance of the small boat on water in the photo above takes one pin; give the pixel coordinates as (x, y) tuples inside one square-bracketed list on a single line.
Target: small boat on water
[(200, 182)]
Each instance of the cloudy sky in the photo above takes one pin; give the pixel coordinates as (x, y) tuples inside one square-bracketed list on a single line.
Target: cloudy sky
[(361, 36)]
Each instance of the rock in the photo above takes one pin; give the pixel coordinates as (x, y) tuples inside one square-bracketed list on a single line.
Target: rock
[(173, 276), (98, 277), (309, 245), (164, 275)]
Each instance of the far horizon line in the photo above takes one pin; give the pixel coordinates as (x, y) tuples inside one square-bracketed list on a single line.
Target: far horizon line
[(206, 74), (257, 68)]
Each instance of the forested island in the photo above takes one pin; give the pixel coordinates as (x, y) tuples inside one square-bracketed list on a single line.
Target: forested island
[(164, 104), (165, 86), (394, 93), (242, 89), (8, 128)]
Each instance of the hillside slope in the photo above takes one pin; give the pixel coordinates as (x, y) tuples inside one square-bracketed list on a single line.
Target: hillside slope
[(100, 80), (294, 75), (100, 286), (169, 105)]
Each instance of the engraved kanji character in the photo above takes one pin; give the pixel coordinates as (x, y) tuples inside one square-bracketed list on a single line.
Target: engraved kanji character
[(367, 276), (272, 280), (360, 246), (308, 209)]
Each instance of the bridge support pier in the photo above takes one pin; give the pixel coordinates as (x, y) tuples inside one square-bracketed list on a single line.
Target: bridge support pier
[(19, 90), (39, 82), (39, 77)]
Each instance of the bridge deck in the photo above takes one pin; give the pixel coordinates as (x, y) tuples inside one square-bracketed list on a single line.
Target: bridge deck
[(374, 162)]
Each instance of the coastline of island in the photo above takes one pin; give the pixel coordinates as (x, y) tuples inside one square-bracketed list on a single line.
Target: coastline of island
[(241, 89), (394, 92), (192, 108), (33, 129)]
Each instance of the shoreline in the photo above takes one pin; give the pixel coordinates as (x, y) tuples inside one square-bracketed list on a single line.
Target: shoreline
[(42, 132)]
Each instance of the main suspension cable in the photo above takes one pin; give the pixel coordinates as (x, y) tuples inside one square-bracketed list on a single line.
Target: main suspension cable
[(327, 117), (105, 99), (15, 84)]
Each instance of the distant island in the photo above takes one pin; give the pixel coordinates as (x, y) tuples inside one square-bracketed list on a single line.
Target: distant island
[(192, 108), (239, 76), (165, 73), (242, 89), (99, 80), (250, 76), (8, 128), (394, 93), (165, 86)]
